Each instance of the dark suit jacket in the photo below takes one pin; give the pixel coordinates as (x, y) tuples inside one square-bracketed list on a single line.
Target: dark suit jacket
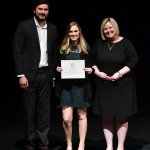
[(26, 48)]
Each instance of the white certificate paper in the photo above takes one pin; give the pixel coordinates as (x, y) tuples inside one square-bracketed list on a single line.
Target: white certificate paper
[(73, 69)]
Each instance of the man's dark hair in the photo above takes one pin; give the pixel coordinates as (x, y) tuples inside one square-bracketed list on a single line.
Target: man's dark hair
[(39, 2)]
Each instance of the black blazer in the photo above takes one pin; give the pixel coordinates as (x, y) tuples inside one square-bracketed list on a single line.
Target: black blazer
[(26, 48)]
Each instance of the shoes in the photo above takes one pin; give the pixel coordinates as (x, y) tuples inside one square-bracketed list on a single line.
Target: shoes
[(30, 148), (44, 148), (33, 148)]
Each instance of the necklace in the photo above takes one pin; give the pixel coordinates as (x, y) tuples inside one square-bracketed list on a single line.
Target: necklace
[(74, 50), (110, 45)]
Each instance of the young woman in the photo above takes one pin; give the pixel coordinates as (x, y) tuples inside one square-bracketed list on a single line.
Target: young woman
[(74, 92)]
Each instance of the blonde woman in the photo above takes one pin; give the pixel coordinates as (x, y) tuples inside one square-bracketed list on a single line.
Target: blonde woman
[(74, 93), (114, 59)]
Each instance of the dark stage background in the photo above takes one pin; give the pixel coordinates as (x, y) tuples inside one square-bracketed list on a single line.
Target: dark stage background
[(132, 17)]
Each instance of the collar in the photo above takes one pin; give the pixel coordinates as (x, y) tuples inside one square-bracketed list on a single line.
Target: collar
[(37, 25)]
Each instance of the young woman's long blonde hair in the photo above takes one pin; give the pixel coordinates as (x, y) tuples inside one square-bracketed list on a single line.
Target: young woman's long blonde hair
[(82, 44)]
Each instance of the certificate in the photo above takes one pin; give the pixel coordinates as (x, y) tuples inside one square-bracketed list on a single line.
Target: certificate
[(73, 69)]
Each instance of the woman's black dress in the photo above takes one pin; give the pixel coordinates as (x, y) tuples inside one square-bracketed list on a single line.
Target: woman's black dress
[(115, 99), (73, 91)]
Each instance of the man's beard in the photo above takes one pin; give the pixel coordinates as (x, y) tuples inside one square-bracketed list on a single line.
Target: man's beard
[(40, 18)]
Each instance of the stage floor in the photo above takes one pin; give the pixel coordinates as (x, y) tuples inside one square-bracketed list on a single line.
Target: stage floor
[(12, 136)]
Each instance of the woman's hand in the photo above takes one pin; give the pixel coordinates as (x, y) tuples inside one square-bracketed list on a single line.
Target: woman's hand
[(59, 69), (88, 70), (99, 73), (114, 77), (102, 75)]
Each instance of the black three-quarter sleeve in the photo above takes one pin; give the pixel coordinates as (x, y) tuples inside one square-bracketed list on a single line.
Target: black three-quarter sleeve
[(132, 57)]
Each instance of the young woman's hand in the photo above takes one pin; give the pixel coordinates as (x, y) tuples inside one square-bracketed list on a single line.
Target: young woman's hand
[(59, 69), (88, 70)]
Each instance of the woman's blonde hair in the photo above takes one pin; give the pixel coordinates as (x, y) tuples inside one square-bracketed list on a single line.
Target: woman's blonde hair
[(82, 44), (113, 22)]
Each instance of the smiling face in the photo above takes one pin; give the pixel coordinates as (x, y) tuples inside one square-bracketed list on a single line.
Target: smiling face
[(109, 31), (41, 12), (74, 34)]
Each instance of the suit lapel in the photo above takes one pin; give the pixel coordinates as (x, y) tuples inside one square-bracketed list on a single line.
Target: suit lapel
[(49, 36), (35, 33)]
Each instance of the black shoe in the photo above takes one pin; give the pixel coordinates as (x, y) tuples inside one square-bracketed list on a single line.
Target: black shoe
[(44, 148), (30, 148)]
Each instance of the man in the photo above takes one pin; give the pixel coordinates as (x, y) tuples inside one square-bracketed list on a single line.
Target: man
[(34, 48)]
